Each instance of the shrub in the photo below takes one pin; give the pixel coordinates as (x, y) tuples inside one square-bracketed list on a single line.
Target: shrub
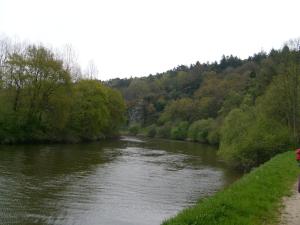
[(134, 129), (248, 140), (151, 131), (213, 137), (179, 132), (199, 130), (164, 131)]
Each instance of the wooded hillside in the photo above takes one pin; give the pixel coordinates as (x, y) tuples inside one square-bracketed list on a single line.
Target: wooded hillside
[(249, 107)]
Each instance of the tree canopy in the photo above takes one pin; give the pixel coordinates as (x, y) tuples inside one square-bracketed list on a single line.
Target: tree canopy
[(249, 107), (42, 100)]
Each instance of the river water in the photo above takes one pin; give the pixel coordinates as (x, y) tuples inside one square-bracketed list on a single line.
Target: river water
[(122, 182)]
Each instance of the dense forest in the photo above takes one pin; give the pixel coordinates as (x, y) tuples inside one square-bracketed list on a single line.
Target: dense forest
[(250, 108), (44, 98)]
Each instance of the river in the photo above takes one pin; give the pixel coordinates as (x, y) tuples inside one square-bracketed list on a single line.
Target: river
[(121, 182)]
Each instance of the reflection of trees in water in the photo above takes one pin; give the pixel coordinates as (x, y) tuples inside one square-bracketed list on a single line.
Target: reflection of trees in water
[(37, 182), (52, 160), (35, 177)]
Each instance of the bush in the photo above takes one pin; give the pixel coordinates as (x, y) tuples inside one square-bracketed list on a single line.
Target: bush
[(164, 131), (134, 129), (213, 137), (199, 130), (248, 140), (151, 131), (179, 132)]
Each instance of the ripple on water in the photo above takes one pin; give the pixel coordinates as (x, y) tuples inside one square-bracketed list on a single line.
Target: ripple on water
[(123, 182)]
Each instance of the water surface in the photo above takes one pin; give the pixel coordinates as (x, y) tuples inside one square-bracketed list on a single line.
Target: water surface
[(121, 182)]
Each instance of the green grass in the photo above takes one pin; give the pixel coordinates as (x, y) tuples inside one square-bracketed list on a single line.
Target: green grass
[(254, 199)]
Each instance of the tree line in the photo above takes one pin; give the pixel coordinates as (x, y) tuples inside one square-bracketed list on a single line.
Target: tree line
[(250, 108), (45, 98)]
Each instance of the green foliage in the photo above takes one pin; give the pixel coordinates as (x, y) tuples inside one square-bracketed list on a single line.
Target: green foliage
[(116, 108), (89, 112), (35, 95), (179, 132), (250, 107), (151, 131), (39, 101), (213, 137), (199, 130), (164, 131), (182, 109), (232, 100), (252, 135), (134, 129), (230, 61), (248, 140), (218, 94), (252, 200)]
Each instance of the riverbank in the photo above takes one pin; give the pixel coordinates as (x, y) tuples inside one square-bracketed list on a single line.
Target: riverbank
[(254, 199)]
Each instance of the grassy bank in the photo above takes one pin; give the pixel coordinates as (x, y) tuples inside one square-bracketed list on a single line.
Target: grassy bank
[(254, 199)]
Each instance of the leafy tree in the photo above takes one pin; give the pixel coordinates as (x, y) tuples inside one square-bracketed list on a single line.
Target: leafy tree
[(116, 108), (229, 61), (36, 89), (248, 141), (40, 100), (89, 113), (182, 109)]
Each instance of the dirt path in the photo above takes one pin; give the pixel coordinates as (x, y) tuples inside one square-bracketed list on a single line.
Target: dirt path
[(291, 211)]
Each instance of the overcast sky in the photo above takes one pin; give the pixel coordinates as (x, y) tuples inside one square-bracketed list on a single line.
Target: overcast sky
[(137, 37)]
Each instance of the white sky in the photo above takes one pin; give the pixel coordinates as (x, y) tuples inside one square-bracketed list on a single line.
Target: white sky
[(137, 37)]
